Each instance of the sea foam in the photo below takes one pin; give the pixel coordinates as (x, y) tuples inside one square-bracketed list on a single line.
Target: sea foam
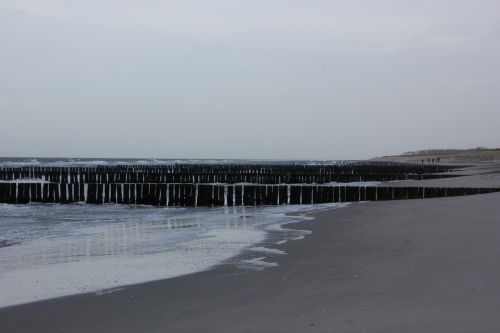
[(58, 250)]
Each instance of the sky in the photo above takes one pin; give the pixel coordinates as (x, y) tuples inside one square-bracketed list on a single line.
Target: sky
[(315, 79)]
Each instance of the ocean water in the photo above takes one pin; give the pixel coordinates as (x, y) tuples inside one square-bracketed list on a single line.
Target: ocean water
[(51, 250), (54, 161)]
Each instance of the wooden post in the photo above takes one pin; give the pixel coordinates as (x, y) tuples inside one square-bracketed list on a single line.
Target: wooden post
[(119, 197)]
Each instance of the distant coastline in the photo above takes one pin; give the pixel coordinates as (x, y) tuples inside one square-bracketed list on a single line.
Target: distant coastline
[(479, 154)]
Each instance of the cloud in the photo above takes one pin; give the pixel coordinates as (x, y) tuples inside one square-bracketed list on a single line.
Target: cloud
[(244, 20), (11, 12), (225, 78)]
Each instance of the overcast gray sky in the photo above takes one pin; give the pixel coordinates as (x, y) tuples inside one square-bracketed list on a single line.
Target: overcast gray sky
[(323, 79)]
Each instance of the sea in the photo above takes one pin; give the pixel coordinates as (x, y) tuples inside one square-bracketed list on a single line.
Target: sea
[(53, 250)]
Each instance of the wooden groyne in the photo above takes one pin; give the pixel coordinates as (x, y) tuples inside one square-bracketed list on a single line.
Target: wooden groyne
[(191, 195), (228, 173), (193, 185)]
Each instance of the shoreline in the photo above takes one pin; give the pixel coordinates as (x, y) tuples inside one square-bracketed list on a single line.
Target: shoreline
[(424, 265), (269, 230), (414, 267)]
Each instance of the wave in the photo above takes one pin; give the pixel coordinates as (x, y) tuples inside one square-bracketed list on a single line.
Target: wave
[(57, 250), (69, 162)]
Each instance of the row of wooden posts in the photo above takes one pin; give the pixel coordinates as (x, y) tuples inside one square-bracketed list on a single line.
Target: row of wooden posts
[(230, 174), (117, 178), (268, 168), (207, 195)]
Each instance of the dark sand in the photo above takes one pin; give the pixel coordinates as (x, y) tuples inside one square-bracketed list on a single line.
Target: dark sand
[(429, 265)]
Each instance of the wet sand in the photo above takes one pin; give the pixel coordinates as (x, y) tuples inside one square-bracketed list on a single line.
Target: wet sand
[(479, 175), (400, 266)]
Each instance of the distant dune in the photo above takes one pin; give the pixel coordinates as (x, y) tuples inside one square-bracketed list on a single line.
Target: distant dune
[(479, 154)]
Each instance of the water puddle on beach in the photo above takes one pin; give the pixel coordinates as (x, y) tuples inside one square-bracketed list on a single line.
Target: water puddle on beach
[(48, 251)]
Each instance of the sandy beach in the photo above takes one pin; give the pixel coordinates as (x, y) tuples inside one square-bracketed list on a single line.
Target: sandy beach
[(426, 265)]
